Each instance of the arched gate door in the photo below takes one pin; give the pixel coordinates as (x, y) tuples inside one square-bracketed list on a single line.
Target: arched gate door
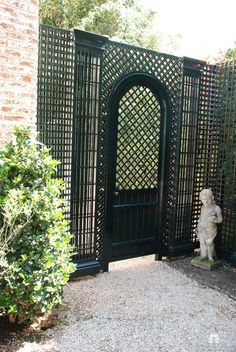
[(138, 121)]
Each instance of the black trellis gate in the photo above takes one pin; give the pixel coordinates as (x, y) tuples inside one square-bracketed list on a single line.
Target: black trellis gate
[(138, 134), (139, 114)]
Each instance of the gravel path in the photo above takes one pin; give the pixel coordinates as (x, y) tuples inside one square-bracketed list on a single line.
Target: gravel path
[(141, 305)]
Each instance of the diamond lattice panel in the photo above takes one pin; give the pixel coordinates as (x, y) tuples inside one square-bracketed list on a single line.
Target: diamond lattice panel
[(119, 61), (138, 139)]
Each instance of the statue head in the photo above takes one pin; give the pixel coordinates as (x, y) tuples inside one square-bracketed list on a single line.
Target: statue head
[(206, 196)]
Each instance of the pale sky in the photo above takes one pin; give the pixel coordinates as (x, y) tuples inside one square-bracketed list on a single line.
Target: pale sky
[(206, 26)]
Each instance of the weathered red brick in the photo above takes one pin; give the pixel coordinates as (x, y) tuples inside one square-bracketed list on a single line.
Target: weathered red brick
[(31, 32), (27, 78), (9, 9), (26, 63), (6, 109), (3, 41), (13, 118), (4, 25), (13, 53), (18, 64)]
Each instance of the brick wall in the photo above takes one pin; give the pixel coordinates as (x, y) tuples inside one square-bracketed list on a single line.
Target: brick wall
[(18, 64)]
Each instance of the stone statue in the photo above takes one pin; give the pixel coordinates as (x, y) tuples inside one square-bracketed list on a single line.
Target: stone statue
[(206, 229)]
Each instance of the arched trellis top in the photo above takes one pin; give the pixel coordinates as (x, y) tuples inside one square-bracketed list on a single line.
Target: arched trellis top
[(124, 83)]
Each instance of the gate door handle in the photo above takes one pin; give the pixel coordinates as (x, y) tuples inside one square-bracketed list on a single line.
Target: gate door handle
[(116, 194)]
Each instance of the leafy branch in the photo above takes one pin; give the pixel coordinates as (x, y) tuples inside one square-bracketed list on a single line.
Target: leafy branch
[(10, 229)]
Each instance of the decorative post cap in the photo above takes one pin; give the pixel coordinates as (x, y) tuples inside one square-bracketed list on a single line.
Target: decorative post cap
[(90, 39)]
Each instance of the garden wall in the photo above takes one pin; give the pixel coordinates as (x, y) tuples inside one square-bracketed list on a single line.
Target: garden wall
[(76, 77), (18, 64)]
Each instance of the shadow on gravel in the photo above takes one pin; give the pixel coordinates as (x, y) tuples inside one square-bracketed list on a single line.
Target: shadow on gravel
[(222, 279), (12, 336)]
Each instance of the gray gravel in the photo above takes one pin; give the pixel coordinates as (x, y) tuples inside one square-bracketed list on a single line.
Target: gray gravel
[(143, 305)]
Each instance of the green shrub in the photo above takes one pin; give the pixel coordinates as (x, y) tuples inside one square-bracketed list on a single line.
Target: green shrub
[(35, 249)]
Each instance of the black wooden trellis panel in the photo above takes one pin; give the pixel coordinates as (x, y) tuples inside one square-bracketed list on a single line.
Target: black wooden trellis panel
[(86, 130), (226, 172), (207, 148), (186, 175), (77, 73), (68, 121), (55, 97)]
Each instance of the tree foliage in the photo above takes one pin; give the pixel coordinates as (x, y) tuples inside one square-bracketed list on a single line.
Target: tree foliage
[(123, 20), (226, 55), (231, 53), (66, 13), (131, 24)]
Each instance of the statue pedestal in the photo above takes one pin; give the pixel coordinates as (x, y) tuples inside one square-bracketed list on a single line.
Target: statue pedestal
[(205, 264)]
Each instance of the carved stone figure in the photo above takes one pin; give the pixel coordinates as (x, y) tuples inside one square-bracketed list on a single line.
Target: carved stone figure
[(206, 229)]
